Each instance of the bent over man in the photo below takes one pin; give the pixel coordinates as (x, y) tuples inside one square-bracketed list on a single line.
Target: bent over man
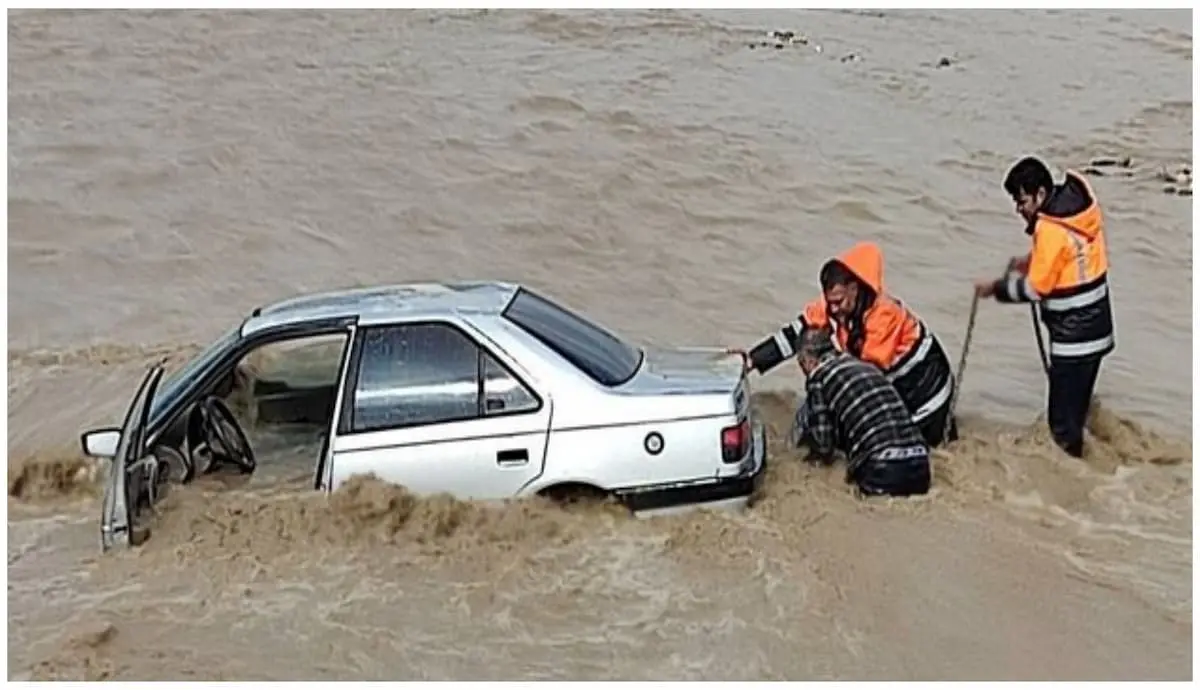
[(873, 326), (1067, 274), (852, 407)]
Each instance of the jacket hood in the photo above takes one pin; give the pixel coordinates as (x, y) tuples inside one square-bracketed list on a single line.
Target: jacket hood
[(1074, 204), (865, 261)]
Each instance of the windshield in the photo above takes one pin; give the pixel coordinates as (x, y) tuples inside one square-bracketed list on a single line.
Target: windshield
[(592, 349), (172, 385)]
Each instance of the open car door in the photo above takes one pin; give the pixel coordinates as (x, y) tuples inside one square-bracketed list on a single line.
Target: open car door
[(137, 481)]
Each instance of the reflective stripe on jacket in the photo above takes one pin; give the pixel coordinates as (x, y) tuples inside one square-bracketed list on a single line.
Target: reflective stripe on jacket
[(1068, 273)]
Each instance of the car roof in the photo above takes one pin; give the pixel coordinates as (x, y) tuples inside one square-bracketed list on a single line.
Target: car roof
[(383, 302)]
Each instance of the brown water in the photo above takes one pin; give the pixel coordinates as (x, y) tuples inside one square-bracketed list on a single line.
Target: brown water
[(170, 171)]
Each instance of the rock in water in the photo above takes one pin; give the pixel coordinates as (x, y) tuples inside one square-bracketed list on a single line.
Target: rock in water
[(1111, 162)]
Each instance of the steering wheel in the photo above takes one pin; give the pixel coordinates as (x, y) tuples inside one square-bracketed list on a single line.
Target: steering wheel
[(224, 437)]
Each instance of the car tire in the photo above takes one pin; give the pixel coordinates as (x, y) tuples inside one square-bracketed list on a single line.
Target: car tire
[(572, 493)]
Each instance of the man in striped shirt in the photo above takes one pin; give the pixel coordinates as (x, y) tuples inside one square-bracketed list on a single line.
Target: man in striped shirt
[(852, 407)]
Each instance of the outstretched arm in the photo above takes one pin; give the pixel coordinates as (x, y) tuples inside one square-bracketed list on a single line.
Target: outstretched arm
[(776, 348)]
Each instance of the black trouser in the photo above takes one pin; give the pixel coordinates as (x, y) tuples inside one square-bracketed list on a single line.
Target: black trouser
[(902, 472), (1072, 382), (933, 427)]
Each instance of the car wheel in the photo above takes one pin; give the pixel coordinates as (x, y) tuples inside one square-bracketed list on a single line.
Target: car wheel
[(575, 493)]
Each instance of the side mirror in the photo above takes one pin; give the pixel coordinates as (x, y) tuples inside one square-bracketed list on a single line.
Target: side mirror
[(100, 443)]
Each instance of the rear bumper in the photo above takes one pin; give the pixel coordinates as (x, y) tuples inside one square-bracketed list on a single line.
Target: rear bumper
[(738, 486)]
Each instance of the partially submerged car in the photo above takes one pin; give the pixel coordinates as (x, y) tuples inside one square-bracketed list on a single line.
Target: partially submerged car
[(482, 390)]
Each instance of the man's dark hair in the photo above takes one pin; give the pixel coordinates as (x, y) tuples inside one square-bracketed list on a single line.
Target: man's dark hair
[(836, 273), (814, 342), (1028, 176)]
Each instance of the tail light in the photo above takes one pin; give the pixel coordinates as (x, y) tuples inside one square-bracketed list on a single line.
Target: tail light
[(735, 441)]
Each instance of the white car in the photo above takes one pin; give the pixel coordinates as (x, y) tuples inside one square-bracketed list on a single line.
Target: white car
[(482, 390)]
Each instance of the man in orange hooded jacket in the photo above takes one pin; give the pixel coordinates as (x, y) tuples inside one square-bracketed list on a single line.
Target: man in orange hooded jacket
[(875, 327), (1066, 274)]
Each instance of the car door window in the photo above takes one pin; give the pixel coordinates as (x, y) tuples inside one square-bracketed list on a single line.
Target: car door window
[(415, 374), (283, 394), (290, 381), (503, 393)]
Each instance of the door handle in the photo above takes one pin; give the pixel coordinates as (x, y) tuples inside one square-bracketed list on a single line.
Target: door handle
[(513, 457)]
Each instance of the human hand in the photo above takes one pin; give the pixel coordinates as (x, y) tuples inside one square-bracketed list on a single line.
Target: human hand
[(1019, 264), (985, 288), (747, 365)]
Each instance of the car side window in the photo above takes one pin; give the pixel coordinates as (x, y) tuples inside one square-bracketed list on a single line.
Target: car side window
[(415, 374), (504, 393), (431, 373)]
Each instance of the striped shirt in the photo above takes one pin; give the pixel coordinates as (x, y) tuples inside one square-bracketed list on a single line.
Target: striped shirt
[(854, 408)]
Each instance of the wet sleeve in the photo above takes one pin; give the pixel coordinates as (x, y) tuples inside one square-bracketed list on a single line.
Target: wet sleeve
[(1014, 287), (776, 348), (1045, 263), (821, 430)]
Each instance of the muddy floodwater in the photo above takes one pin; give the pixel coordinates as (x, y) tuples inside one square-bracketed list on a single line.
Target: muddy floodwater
[(680, 177)]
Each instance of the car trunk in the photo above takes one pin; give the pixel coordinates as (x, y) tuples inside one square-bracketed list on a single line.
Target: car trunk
[(693, 371)]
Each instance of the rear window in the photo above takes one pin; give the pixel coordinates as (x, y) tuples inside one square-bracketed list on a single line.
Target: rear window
[(593, 350)]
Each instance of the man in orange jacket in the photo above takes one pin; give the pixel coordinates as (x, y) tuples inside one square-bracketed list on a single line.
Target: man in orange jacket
[(1066, 273), (875, 327)]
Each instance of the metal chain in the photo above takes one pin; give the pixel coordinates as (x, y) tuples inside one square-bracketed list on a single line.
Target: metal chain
[(962, 366)]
